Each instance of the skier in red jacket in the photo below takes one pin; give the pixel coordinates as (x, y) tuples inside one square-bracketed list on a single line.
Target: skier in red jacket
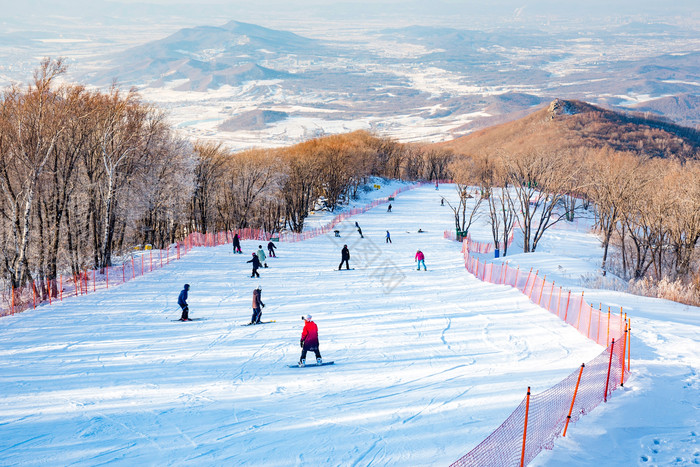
[(309, 340), (420, 259)]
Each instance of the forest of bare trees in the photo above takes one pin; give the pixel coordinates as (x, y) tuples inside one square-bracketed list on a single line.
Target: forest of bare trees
[(87, 175), (646, 210)]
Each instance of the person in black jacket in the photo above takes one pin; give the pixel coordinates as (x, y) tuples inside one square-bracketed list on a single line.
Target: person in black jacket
[(359, 230), (237, 244), (271, 249), (344, 258), (182, 301), (256, 264)]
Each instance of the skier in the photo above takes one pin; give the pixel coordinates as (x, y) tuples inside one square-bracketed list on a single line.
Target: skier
[(436, 185), (237, 244), (442, 202), (345, 257), (359, 230), (388, 237), (420, 259), (256, 265), (271, 249), (257, 303), (261, 256), (309, 341), (182, 301), (389, 208)]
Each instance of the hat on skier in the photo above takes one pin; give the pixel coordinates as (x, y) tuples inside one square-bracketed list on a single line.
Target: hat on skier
[(308, 318), (187, 286)]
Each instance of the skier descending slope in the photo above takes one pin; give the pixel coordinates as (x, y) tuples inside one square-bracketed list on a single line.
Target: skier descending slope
[(359, 230), (237, 244), (261, 256), (309, 341), (182, 301), (271, 249), (256, 265), (420, 259), (257, 304), (345, 258)]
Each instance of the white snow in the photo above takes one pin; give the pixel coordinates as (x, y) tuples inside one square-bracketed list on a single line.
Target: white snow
[(427, 363)]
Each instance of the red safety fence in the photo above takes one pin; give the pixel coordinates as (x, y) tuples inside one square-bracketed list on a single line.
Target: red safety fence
[(541, 418), (16, 300)]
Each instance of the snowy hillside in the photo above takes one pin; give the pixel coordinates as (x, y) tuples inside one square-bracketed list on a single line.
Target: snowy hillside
[(427, 363)]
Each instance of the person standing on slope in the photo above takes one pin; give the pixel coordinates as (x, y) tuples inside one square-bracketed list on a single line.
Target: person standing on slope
[(182, 301), (257, 304), (261, 256), (389, 208), (359, 230), (388, 237), (420, 259), (256, 265), (271, 249), (345, 258), (309, 341), (237, 244)]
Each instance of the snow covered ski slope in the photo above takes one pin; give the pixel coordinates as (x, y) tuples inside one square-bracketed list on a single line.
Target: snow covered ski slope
[(427, 363)]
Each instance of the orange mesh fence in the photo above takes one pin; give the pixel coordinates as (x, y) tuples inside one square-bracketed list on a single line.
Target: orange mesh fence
[(16, 300), (575, 395)]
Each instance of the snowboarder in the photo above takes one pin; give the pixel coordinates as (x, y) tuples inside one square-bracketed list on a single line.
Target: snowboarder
[(345, 257), (309, 341), (256, 265), (420, 259), (182, 301), (237, 244), (359, 230), (388, 237), (442, 202), (257, 304), (389, 208), (271, 249), (337, 233), (436, 185), (261, 256)]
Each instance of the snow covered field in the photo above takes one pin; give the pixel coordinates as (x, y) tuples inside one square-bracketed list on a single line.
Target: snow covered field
[(427, 363)]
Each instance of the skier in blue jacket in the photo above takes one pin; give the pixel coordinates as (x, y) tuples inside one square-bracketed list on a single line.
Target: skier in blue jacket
[(182, 301)]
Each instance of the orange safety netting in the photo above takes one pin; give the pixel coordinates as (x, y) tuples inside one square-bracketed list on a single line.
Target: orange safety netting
[(520, 438)]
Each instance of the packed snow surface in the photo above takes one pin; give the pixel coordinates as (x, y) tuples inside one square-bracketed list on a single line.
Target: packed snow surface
[(427, 363)]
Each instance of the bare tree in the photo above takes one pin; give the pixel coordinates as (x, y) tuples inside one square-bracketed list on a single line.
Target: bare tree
[(539, 181), (612, 176), (30, 126), (208, 176)]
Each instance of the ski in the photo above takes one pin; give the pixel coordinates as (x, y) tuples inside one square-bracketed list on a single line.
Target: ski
[(261, 322), (191, 319), (311, 365)]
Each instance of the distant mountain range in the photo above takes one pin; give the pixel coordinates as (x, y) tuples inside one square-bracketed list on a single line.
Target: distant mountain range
[(452, 80), (207, 57)]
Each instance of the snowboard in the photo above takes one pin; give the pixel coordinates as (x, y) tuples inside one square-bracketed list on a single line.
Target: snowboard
[(311, 365), (261, 322), (351, 269)]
